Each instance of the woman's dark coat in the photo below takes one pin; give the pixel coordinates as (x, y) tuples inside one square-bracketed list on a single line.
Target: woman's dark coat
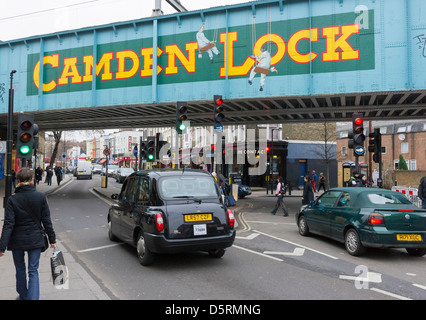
[(308, 193), (20, 230)]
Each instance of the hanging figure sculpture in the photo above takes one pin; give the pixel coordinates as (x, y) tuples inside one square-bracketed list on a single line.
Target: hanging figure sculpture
[(263, 67), (205, 44)]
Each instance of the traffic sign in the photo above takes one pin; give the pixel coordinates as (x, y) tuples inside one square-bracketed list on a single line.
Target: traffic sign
[(359, 150), (219, 127)]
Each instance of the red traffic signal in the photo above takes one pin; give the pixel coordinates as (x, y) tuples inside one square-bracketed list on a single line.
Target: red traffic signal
[(359, 121), (218, 100), (218, 109)]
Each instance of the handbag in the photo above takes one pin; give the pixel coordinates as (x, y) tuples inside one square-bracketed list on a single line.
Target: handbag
[(59, 269)]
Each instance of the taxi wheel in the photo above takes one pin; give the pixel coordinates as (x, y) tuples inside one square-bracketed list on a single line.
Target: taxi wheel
[(145, 256), (353, 243), (218, 253), (416, 252)]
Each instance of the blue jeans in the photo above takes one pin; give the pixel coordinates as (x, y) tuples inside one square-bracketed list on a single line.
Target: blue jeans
[(32, 290)]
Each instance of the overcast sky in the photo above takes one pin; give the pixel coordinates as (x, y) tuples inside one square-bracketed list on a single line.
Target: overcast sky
[(25, 18)]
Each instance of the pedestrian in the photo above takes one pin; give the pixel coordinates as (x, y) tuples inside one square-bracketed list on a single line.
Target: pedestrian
[(38, 174), (321, 182), (49, 175), (354, 179), (58, 173), (25, 212), (308, 193), (422, 191), (361, 181), (314, 181), (280, 193), (13, 179)]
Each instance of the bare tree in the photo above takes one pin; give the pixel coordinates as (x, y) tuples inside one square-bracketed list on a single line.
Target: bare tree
[(57, 137), (326, 151)]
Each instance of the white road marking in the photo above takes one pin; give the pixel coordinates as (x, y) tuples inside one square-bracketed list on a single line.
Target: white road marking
[(100, 248), (298, 245), (419, 286), (393, 295), (249, 237), (100, 197), (371, 277), (258, 253), (298, 252)]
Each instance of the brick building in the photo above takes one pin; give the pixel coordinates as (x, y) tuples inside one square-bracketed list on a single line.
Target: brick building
[(407, 138)]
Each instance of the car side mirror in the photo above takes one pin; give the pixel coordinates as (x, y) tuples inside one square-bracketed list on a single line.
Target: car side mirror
[(313, 203)]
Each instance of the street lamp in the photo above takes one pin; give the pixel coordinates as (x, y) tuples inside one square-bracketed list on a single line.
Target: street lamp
[(271, 157), (9, 143)]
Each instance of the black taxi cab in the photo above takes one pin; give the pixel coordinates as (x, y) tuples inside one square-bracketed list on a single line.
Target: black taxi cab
[(171, 211)]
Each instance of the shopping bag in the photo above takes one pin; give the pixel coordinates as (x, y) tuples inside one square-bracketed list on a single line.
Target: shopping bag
[(59, 269)]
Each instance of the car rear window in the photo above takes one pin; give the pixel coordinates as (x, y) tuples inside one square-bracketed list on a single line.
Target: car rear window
[(387, 198), (188, 187)]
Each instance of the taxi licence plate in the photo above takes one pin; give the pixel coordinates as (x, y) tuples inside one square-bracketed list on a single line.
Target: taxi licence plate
[(408, 237), (198, 217)]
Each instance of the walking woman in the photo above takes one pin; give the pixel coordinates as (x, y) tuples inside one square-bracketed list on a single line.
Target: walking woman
[(308, 193), (25, 211)]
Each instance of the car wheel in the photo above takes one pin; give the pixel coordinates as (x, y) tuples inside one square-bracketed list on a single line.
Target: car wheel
[(303, 226), (217, 253), (145, 256), (111, 236), (419, 252), (353, 243)]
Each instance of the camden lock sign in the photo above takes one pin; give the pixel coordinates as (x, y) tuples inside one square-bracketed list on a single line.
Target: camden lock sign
[(332, 43)]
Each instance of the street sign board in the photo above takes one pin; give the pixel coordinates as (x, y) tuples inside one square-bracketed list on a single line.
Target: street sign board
[(359, 150)]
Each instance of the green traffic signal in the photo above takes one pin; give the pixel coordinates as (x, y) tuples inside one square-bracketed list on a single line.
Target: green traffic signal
[(24, 150)]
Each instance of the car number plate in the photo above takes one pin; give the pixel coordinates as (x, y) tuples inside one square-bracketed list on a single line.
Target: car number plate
[(198, 217), (409, 237), (200, 229)]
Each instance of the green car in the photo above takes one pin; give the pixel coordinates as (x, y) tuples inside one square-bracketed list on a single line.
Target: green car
[(366, 217)]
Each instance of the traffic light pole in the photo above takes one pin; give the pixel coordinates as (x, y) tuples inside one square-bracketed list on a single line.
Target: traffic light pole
[(9, 143)]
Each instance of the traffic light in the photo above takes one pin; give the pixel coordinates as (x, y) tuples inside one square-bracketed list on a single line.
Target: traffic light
[(357, 136), (218, 115), (150, 154), (144, 149), (27, 129), (181, 116), (375, 145)]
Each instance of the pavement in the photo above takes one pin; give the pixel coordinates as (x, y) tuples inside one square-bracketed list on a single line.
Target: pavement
[(81, 285)]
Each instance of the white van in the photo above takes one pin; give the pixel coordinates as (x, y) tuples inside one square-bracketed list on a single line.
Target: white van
[(84, 170)]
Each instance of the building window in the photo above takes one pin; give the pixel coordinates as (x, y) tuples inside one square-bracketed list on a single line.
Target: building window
[(404, 147), (413, 165), (344, 151)]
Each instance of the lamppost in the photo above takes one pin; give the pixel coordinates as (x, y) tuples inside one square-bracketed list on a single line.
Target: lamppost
[(272, 157), (9, 143)]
